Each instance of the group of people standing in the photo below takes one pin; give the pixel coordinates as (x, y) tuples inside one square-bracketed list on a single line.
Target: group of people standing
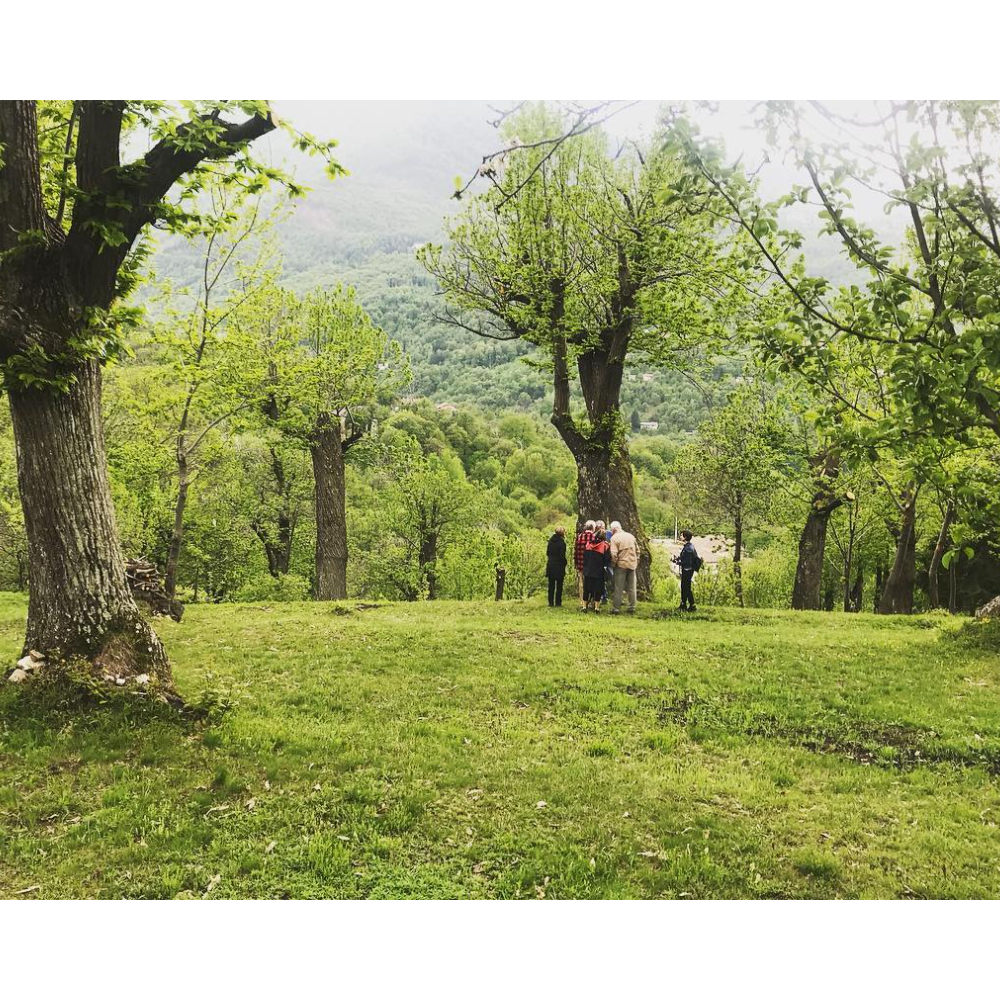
[(609, 556), (605, 558)]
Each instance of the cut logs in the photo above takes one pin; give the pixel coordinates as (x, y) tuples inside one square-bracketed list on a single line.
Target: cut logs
[(144, 580)]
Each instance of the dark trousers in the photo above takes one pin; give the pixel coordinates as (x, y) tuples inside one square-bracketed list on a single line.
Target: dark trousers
[(555, 591), (687, 597)]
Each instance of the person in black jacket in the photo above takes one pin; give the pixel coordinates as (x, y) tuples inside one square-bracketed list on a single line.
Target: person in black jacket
[(596, 561), (688, 561), (555, 566)]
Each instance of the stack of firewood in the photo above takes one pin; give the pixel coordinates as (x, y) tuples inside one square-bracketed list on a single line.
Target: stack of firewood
[(144, 579)]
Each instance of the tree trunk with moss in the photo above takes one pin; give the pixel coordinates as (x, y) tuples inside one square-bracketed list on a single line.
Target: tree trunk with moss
[(807, 592), (79, 605), (897, 596), (605, 487)]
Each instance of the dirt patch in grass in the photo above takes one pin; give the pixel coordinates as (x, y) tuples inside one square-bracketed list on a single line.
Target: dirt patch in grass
[(349, 609), (891, 745), (651, 691)]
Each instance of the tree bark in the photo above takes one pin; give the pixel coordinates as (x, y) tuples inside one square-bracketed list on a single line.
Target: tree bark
[(327, 450), (605, 487), (79, 603), (427, 561), (278, 548), (933, 591), (605, 492), (807, 591), (897, 597)]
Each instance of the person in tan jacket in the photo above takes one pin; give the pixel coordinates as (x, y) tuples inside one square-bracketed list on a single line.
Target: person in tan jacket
[(625, 559)]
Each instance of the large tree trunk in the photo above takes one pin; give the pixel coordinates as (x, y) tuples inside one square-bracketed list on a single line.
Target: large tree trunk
[(807, 591), (79, 604), (177, 535), (897, 597), (327, 449), (605, 492), (605, 487), (933, 591)]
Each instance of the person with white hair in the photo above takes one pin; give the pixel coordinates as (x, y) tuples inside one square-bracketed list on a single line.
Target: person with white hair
[(625, 560), (580, 547)]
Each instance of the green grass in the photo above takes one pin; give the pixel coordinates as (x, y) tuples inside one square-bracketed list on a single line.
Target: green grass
[(465, 750)]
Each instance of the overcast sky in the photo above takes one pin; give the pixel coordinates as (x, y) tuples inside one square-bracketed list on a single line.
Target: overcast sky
[(383, 128)]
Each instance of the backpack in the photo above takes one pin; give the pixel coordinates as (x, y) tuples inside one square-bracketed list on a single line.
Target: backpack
[(698, 562)]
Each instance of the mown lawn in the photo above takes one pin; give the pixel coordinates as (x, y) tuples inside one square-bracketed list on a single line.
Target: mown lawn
[(466, 750)]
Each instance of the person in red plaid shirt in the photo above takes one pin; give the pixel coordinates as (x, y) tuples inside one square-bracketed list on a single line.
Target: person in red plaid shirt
[(582, 540)]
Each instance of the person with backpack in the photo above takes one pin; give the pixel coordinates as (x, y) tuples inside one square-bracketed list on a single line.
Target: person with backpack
[(596, 561), (690, 562)]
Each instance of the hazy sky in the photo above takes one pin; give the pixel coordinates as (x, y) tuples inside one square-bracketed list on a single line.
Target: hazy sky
[(364, 126), (404, 158)]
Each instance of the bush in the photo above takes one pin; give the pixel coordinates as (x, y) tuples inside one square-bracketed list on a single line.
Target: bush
[(666, 586), (467, 570), (768, 579), (289, 587)]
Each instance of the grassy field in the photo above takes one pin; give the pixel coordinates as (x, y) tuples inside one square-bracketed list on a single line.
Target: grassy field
[(466, 750)]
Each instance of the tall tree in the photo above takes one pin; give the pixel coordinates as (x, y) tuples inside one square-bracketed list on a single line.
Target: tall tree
[(599, 261), (233, 267), (72, 216), (430, 503), (321, 365)]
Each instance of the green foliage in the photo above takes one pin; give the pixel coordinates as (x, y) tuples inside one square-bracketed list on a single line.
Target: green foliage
[(195, 150), (929, 304)]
